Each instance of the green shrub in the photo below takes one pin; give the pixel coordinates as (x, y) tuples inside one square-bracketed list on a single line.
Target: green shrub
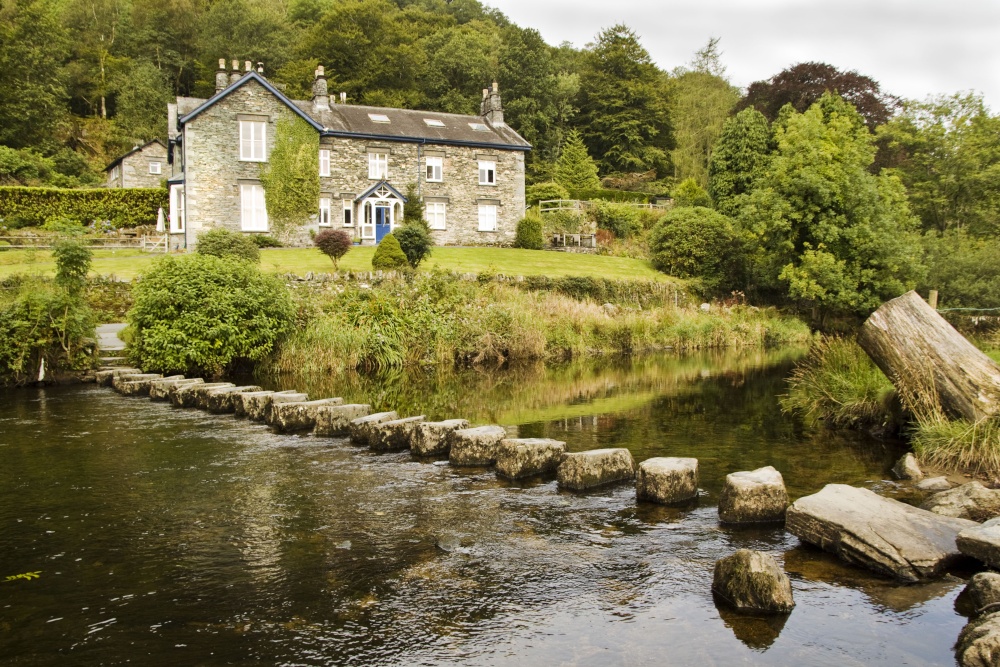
[(544, 191), (415, 242), (389, 256), (265, 241), (689, 193), (562, 221), (698, 242), (529, 233), (224, 243), (72, 264), (123, 207), (622, 220), (109, 299), (334, 243), (206, 314)]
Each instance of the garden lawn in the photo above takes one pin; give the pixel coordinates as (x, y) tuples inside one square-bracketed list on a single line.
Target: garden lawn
[(510, 261)]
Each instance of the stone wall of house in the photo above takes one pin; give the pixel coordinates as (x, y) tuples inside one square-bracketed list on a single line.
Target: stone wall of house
[(133, 171)]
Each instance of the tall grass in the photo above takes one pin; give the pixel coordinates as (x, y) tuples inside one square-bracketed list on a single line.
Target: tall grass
[(960, 445)]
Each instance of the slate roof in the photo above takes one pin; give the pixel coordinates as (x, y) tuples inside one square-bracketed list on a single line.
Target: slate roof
[(137, 149), (348, 120)]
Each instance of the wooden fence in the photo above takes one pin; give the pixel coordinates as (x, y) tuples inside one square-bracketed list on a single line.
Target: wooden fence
[(579, 206), (146, 243)]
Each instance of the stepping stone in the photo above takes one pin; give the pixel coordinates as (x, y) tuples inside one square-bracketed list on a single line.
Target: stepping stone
[(756, 496), (475, 446), (431, 438), (393, 434), (140, 387), (281, 397), (255, 405), (752, 581), (523, 457), (159, 390), (292, 416), (667, 480), (585, 470), (362, 428), (982, 542), (118, 380), (184, 396), (202, 391), (106, 377), (881, 534), (241, 400), (223, 400), (335, 420)]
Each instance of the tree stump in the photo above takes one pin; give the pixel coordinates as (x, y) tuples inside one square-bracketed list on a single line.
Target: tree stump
[(928, 361)]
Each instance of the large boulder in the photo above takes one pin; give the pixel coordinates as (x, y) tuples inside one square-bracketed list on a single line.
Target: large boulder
[(755, 496), (983, 590), (982, 542), (597, 467), (293, 416), (431, 438), (667, 480), (523, 457), (979, 642), (361, 429), (159, 390), (335, 420), (753, 581), (882, 534), (223, 400), (908, 468), (394, 434), (969, 501), (475, 446)]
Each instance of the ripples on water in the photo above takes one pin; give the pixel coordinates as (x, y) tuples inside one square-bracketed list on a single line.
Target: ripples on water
[(168, 536)]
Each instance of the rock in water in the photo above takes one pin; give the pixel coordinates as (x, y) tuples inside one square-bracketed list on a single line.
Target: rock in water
[(979, 643), (585, 470), (475, 446), (907, 468), (984, 589), (432, 438), (667, 480), (523, 457), (753, 581), (882, 534), (757, 496), (969, 501), (982, 542), (934, 484)]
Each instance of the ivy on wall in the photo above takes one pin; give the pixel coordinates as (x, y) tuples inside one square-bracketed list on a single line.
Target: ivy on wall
[(291, 175), (123, 207)]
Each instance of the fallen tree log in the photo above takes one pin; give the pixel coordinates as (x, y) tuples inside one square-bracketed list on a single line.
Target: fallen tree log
[(929, 362)]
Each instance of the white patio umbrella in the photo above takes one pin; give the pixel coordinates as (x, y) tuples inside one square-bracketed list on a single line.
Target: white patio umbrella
[(159, 221)]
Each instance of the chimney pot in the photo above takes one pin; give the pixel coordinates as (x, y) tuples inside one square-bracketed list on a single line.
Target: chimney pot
[(343, 98), (236, 65), (247, 65), (486, 92), (222, 63), (496, 88), (319, 71), (260, 68)]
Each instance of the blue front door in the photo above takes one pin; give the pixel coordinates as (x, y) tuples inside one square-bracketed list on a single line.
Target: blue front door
[(381, 222)]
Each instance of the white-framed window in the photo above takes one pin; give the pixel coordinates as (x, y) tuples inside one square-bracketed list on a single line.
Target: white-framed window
[(155, 168), (253, 140), (435, 169), (348, 213), (116, 172), (176, 209), (378, 165), (434, 122), (434, 213), (487, 217), (253, 210), (378, 118), (324, 162), (487, 173), (324, 211)]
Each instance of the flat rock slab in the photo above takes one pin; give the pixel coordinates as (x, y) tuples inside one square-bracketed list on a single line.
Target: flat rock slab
[(159, 390), (981, 542), (223, 400), (257, 405), (185, 396), (292, 416), (202, 392), (104, 378), (394, 434), (431, 438), (119, 380), (335, 420), (881, 534), (248, 401), (361, 429), (523, 457), (667, 480), (142, 387), (753, 581), (475, 446), (586, 470), (969, 501), (755, 496), (979, 642)]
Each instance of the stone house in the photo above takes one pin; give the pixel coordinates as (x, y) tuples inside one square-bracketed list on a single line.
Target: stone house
[(469, 170), (142, 167)]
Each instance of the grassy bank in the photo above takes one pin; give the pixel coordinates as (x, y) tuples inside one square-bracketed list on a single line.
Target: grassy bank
[(439, 319)]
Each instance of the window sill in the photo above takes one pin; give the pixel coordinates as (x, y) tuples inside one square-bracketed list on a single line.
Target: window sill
[(243, 159)]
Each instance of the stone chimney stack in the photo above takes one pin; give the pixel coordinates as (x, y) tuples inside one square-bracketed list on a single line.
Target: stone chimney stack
[(221, 77), (234, 76), (321, 96), (491, 107)]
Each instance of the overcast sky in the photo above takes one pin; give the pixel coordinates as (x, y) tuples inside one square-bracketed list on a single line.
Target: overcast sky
[(913, 48)]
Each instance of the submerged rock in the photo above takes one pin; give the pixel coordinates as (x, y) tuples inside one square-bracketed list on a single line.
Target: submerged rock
[(982, 542), (293, 416), (983, 590), (597, 467), (361, 429), (753, 581), (882, 534), (756, 496), (523, 457), (969, 501), (667, 480), (979, 642), (907, 468), (475, 446), (335, 420), (393, 434), (934, 484), (431, 438)]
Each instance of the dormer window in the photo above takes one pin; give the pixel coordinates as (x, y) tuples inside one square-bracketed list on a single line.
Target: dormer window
[(433, 122), (253, 139), (378, 118)]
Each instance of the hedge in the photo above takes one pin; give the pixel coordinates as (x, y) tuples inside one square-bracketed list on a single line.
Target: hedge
[(610, 195), (123, 207)]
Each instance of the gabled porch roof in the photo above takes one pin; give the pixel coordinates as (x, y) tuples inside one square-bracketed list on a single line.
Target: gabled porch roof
[(383, 183)]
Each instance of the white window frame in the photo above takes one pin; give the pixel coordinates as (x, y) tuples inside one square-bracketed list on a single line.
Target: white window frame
[(176, 209), (487, 172), (324, 211), (434, 169), (253, 208), (116, 172), (348, 213), (435, 214), (155, 168), (487, 217), (324, 162), (378, 166), (253, 148)]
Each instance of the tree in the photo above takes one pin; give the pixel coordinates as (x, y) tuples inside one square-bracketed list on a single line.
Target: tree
[(688, 193), (334, 243), (415, 242), (413, 209), (624, 115), (143, 92), (697, 242), (72, 264), (803, 84), (389, 255), (739, 158), (576, 170)]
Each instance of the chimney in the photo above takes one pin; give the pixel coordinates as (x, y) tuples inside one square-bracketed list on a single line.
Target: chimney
[(234, 76), (492, 108), (343, 98), (260, 68), (221, 77), (321, 97)]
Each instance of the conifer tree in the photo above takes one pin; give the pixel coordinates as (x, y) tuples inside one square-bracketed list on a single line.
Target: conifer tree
[(576, 170)]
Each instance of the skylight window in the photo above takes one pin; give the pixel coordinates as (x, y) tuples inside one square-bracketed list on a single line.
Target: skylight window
[(479, 127), (433, 122), (378, 117)]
